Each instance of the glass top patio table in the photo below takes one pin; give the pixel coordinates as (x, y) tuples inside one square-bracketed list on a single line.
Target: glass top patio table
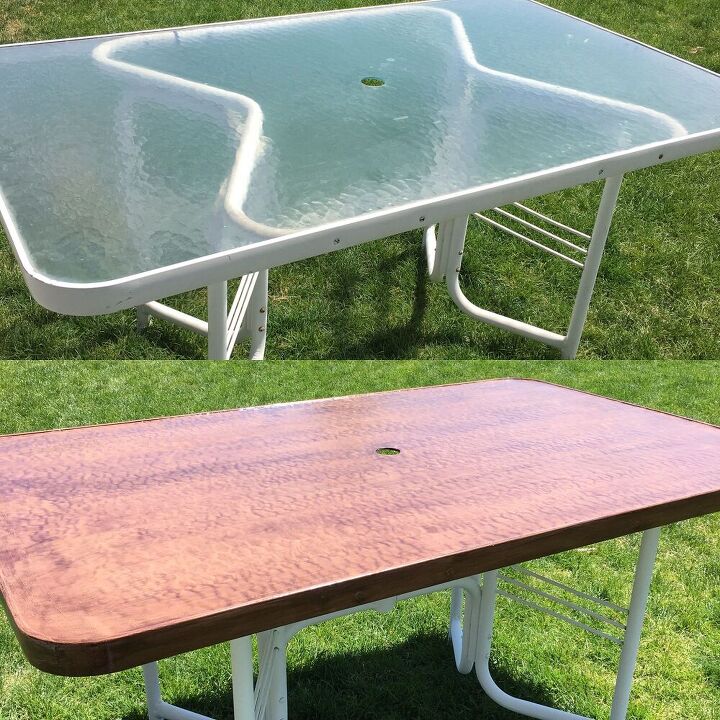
[(162, 160)]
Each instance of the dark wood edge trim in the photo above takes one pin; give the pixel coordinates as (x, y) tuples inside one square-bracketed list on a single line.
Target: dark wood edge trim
[(122, 653)]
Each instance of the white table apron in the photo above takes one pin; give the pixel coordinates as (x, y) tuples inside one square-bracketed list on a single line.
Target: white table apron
[(471, 631)]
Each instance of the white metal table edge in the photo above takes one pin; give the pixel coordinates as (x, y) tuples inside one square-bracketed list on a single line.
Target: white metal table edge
[(104, 297)]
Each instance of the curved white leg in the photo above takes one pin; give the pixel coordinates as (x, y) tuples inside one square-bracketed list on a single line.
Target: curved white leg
[(464, 626), (482, 664), (453, 235), (435, 253), (456, 244), (501, 321), (631, 642)]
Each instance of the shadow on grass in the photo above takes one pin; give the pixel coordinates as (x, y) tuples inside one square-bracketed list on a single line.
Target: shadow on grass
[(416, 680), (389, 339)]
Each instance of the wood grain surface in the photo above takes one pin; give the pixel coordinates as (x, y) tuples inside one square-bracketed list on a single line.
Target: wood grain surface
[(121, 544)]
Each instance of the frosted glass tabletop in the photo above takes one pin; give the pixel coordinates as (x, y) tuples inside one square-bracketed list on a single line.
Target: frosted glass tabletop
[(124, 154)]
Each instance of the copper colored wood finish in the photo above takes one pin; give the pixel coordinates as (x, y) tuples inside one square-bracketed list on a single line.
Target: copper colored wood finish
[(121, 544)]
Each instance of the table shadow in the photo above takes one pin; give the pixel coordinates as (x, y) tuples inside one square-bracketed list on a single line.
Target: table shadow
[(415, 680), (392, 340)]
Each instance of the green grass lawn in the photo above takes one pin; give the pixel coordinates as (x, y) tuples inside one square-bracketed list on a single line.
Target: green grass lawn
[(657, 291), (399, 665)]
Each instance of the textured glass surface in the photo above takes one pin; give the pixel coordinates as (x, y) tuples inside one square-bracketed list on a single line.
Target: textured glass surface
[(130, 153)]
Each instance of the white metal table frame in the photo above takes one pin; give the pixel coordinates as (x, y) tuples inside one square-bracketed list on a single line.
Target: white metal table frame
[(471, 631), (247, 316)]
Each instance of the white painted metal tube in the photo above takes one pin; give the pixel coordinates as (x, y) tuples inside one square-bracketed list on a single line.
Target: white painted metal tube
[(267, 652), (592, 265), (217, 321), (242, 679), (463, 632), (157, 708), (238, 311), (173, 712), (638, 604), (277, 704), (560, 601), (151, 678), (172, 315), (257, 316), (542, 231), (434, 254), (514, 326), (482, 664), (456, 244), (529, 241), (568, 589), (552, 221), (559, 616)]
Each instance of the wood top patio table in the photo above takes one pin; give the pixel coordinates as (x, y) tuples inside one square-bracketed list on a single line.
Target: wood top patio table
[(123, 544)]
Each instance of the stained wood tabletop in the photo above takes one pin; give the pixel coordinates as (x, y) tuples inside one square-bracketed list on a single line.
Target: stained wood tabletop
[(121, 544)]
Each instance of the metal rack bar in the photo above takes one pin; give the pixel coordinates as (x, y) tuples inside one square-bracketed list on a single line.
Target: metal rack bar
[(542, 231), (547, 611), (552, 221), (560, 601), (528, 240), (568, 589)]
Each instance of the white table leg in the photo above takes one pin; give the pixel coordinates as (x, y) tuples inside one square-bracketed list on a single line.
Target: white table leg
[(151, 678), (592, 265), (257, 316), (242, 679), (271, 688), (247, 318), (631, 642), (447, 246), (217, 321), (638, 604), (277, 707)]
